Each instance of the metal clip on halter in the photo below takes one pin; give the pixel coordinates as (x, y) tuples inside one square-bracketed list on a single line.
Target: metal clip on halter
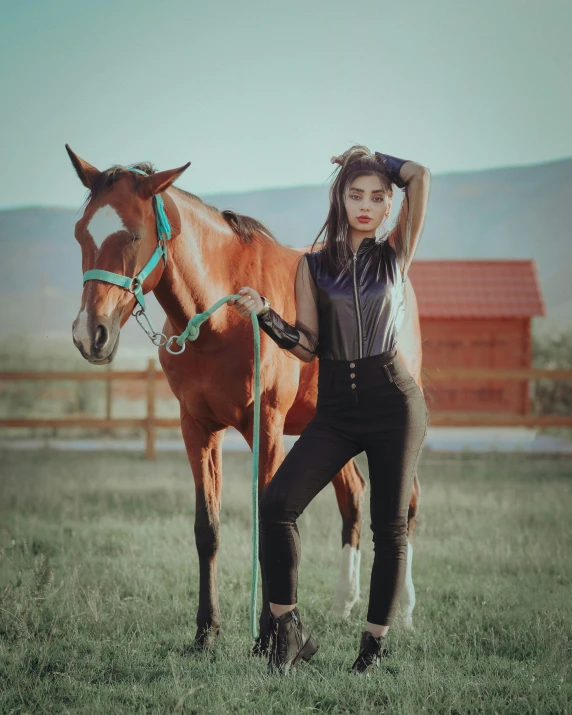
[(157, 338)]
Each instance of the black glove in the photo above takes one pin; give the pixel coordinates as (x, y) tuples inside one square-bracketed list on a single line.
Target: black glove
[(392, 165), (283, 334)]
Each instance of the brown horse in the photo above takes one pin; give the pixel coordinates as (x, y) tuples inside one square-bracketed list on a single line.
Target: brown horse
[(210, 255)]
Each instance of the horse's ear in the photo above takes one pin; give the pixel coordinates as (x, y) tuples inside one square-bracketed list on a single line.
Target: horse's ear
[(160, 181), (86, 172)]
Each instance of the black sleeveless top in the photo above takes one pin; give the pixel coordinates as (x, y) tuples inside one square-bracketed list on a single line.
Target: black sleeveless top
[(360, 311)]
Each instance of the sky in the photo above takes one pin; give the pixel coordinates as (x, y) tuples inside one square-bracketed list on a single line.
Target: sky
[(261, 94)]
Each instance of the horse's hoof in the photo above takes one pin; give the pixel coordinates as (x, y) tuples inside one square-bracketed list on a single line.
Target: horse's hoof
[(205, 638), (260, 647), (190, 649), (407, 624), (342, 612)]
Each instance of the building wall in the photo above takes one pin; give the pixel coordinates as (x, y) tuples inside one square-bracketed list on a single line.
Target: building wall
[(476, 342)]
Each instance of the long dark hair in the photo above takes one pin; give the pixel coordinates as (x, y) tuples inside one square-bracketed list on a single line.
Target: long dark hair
[(358, 161)]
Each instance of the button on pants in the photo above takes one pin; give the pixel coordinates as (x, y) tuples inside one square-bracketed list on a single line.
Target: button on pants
[(370, 404)]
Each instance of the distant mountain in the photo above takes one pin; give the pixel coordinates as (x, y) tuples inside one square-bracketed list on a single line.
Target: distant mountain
[(519, 212)]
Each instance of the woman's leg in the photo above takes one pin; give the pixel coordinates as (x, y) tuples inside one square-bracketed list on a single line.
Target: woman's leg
[(314, 460), (392, 460)]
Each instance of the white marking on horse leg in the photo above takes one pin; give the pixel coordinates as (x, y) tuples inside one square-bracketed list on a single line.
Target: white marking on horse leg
[(81, 335), (347, 589), (408, 592), (104, 222)]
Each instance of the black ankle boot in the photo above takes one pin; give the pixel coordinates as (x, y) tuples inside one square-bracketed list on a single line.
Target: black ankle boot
[(289, 642), (371, 650)]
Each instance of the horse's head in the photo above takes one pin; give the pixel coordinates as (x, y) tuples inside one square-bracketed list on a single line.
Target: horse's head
[(119, 239)]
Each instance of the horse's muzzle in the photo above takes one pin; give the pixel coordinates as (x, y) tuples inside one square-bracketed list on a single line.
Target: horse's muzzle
[(98, 341)]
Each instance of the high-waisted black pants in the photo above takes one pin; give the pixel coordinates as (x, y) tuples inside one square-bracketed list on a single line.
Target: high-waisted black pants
[(370, 404)]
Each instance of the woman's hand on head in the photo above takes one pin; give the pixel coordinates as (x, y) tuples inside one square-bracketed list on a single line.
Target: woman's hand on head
[(250, 301), (341, 159)]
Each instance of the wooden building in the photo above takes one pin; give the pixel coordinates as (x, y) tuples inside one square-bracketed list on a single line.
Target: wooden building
[(477, 313)]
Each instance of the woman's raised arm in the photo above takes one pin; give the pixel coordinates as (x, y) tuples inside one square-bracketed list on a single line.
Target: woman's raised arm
[(407, 232)]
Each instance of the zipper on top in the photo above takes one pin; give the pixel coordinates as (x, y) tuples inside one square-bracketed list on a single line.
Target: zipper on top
[(358, 310)]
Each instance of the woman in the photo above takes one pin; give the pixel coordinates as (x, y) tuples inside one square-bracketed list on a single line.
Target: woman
[(349, 308)]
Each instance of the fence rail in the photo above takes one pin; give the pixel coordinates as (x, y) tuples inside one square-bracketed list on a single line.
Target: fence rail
[(151, 422)]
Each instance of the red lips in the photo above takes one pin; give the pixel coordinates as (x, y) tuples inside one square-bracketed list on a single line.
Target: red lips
[(364, 219)]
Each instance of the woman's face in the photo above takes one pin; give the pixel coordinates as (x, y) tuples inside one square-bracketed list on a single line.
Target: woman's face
[(367, 204)]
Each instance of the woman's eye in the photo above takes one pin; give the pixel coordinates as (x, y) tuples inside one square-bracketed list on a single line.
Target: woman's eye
[(355, 196)]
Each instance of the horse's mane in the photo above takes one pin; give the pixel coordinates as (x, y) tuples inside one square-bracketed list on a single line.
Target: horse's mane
[(248, 229)]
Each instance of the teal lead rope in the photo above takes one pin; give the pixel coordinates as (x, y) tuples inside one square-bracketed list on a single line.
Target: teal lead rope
[(192, 333)]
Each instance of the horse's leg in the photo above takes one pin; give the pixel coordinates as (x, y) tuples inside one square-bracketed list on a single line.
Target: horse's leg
[(204, 449), (271, 455), (407, 599), (350, 487)]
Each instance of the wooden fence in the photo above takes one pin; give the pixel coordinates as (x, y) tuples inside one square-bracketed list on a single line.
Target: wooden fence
[(151, 422)]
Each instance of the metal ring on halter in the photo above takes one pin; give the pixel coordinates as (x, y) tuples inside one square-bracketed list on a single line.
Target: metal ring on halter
[(169, 343), (162, 339)]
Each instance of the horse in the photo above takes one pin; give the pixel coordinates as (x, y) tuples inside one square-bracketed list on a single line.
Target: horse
[(210, 254)]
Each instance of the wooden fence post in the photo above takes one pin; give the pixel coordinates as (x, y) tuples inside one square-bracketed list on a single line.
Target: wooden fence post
[(151, 430)]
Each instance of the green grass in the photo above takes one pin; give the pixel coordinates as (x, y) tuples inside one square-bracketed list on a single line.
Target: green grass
[(99, 586)]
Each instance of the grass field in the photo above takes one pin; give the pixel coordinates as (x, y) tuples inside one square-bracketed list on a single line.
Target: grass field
[(98, 591)]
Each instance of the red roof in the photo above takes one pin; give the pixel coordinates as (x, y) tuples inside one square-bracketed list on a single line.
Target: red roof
[(477, 289)]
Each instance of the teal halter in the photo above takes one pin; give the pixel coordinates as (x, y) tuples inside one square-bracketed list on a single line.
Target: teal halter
[(135, 285)]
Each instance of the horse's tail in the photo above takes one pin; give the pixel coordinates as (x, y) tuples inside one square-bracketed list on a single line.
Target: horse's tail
[(247, 228)]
